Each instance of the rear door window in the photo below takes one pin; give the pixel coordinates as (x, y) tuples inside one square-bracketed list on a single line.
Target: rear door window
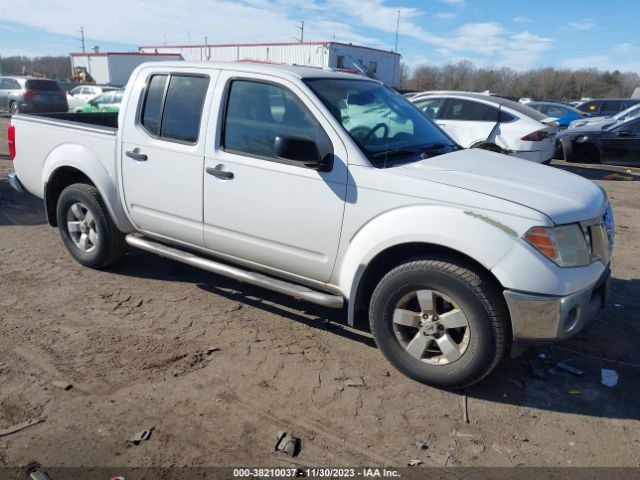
[(611, 107), (554, 111), (173, 106), (469, 110), (152, 108), (13, 84), (183, 108)]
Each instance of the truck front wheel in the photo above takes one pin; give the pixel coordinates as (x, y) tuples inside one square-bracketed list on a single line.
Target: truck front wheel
[(86, 227), (439, 322)]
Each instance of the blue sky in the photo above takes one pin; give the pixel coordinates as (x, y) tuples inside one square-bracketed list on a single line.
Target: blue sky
[(519, 34)]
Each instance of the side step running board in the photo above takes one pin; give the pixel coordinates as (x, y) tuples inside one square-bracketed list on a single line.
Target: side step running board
[(291, 289)]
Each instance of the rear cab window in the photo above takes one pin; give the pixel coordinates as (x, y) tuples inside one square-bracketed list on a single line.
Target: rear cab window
[(173, 106)]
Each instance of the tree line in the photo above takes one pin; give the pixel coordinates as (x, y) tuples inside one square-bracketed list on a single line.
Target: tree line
[(58, 68), (541, 83)]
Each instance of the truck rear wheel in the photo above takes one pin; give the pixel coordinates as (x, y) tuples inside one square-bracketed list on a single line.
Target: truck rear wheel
[(86, 227), (439, 322)]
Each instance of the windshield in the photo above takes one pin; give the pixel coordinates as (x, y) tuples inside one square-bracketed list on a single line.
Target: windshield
[(382, 122)]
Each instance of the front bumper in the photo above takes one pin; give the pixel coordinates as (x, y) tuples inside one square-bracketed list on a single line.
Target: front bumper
[(545, 318), (15, 183)]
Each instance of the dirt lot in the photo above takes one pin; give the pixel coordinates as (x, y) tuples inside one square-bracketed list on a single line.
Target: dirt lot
[(133, 341)]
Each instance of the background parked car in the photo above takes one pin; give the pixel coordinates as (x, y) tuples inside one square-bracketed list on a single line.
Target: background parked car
[(107, 102), (618, 143), (565, 114), (606, 106), (498, 124), (83, 93), (600, 122), (30, 94)]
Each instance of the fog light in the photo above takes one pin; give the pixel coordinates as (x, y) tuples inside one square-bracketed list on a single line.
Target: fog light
[(571, 319)]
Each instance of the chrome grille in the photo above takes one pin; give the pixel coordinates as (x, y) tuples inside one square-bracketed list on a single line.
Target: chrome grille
[(601, 235)]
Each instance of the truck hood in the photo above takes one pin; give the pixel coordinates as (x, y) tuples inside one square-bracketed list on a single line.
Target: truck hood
[(562, 196)]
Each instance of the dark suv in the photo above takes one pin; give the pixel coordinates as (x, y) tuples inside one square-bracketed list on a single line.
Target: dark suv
[(32, 95), (605, 107)]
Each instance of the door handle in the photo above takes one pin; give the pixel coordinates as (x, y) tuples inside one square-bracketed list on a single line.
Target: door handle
[(219, 173), (136, 155)]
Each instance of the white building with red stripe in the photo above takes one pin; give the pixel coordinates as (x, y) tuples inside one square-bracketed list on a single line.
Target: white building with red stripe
[(384, 65), (115, 68)]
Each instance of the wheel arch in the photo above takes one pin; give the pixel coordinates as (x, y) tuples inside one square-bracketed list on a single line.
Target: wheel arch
[(391, 257), (66, 166)]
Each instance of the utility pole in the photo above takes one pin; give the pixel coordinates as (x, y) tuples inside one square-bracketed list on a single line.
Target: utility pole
[(81, 32), (301, 28), (397, 31)]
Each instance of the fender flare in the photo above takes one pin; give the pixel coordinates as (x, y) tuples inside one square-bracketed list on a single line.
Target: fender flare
[(483, 238), (88, 163)]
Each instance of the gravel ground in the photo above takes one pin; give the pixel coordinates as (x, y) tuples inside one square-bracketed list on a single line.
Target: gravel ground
[(218, 368)]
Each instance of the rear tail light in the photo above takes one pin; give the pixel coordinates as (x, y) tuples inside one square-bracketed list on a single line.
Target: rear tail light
[(536, 136), (29, 93), (62, 94), (11, 137)]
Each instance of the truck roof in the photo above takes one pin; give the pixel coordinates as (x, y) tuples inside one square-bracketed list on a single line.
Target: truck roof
[(286, 70)]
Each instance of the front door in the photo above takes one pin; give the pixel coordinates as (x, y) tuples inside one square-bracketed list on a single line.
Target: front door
[(162, 156), (261, 208), (622, 144)]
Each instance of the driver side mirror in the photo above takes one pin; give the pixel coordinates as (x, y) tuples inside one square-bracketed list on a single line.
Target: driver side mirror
[(301, 150), (625, 132)]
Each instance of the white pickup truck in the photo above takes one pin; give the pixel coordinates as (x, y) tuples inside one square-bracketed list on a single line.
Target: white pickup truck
[(334, 189)]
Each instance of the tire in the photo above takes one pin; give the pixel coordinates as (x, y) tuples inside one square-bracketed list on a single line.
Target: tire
[(457, 292), (590, 153), (558, 152), (87, 229), (14, 108)]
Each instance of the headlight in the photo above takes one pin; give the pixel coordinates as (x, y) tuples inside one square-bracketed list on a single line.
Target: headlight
[(582, 139), (565, 245)]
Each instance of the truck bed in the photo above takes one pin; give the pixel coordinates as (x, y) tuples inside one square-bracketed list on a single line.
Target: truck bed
[(44, 141), (102, 119)]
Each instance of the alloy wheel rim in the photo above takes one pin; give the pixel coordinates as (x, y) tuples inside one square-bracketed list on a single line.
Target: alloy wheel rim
[(431, 327), (81, 225)]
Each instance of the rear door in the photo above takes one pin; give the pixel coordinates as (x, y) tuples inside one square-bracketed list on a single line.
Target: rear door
[(163, 153)]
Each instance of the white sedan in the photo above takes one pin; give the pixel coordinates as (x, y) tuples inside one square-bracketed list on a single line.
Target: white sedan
[(81, 94), (477, 120)]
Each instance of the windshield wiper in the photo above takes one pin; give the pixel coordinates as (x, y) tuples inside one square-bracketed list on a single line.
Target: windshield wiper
[(407, 150)]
